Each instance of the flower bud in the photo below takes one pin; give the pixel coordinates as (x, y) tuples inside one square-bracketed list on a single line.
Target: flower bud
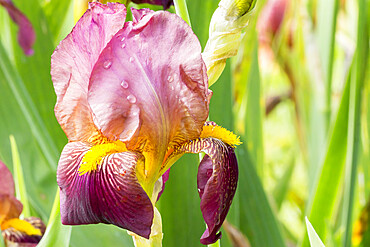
[(225, 31)]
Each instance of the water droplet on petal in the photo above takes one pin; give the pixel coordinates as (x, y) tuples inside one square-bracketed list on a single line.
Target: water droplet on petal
[(131, 59), (131, 98), (123, 39), (124, 84), (123, 45), (170, 79), (107, 64)]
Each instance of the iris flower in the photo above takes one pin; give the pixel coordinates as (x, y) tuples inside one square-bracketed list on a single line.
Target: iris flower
[(16, 232), (26, 34), (132, 98)]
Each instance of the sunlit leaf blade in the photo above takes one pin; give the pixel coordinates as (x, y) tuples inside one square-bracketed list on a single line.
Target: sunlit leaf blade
[(282, 187), (358, 76), (257, 220), (56, 233), (321, 209), (59, 18), (28, 108), (182, 220), (20, 186), (315, 240), (326, 27), (2, 244)]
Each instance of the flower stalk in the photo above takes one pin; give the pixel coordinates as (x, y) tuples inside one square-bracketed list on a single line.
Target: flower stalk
[(182, 10)]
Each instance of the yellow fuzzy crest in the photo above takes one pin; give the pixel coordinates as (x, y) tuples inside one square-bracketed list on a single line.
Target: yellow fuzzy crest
[(21, 225), (221, 133), (94, 156)]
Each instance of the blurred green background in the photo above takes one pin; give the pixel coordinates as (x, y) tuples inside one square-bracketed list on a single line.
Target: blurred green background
[(297, 93)]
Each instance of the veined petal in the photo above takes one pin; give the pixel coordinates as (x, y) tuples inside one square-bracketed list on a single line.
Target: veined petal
[(26, 34), (73, 61), (217, 181), (165, 3), (6, 180), (18, 238), (157, 84), (110, 194)]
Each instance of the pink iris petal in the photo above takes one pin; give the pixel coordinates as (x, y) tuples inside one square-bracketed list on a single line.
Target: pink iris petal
[(26, 34), (73, 61), (165, 3), (149, 87), (6, 180), (111, 194)]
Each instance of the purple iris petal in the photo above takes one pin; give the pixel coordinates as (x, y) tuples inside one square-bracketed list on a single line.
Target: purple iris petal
[(111, 194), (165, 3), (26, 34), (17, 238), (221, 174), (217, 181), (165, 178)]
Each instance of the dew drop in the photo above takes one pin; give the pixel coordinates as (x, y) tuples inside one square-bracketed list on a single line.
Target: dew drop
[(107, 64), (170, 79), (123, 45), (131, 59), (123, 39), (131, 98), (124, 84)]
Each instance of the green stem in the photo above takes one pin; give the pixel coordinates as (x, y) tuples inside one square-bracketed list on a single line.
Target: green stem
[(20, 186), (217, 244), (182, 10)]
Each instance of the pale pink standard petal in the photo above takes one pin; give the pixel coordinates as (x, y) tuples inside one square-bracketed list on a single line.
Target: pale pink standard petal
[(73, 61), (157, 84)]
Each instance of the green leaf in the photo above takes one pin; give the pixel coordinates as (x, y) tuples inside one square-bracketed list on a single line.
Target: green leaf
[(179, 205), (28, 108), (322, 201), (55, 231), (2, 244), (257, 219), (20, 186), (326, 27), (315, 240), (358, 76)]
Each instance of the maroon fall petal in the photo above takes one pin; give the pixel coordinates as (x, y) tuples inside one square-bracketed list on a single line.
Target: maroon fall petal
[(17, 238), (26, 34), (111, 194), (165, 178), (217, 181), (165, 3)]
